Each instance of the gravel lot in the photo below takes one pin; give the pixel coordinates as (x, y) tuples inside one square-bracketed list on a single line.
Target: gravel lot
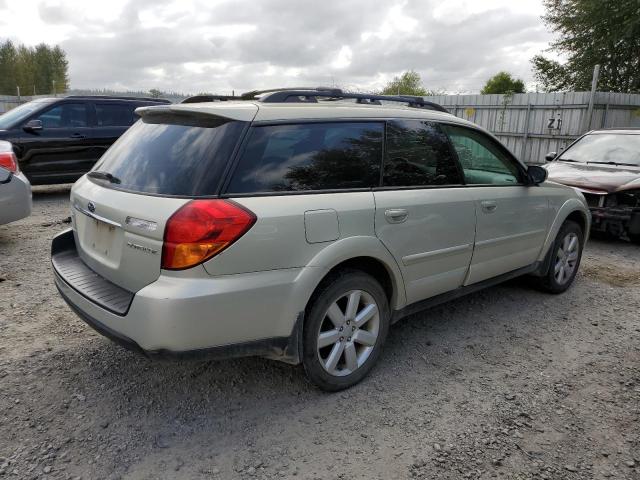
[(507, 383)]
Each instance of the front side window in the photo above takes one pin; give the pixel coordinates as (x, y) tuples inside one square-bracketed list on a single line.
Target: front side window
[(20, 113), (114, 115), (310, 156), (66, 115), (483, 162), (418, 154)]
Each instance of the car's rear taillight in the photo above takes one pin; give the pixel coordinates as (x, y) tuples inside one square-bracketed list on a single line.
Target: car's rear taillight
[(201, 229), (9, 161)]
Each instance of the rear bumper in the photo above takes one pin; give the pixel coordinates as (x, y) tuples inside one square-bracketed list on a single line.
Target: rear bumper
[(15, 199), (176, 317)]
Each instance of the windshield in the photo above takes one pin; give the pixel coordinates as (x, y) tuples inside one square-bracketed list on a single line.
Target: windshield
[(16, 115), (169, 155), (605, 148)]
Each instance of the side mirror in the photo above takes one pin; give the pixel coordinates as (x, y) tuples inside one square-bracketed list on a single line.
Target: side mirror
[(537, 174), (5, 175), (549, 157), (33, 126)]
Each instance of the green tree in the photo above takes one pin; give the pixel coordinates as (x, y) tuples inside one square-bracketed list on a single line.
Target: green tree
[(590, 32), (60, 69), (8, 65), (503, 82), (33, 70), (155, 93), (409, 83)]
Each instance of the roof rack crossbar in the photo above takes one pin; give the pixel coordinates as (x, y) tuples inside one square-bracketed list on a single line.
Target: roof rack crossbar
[(289, 95), (119, 97)]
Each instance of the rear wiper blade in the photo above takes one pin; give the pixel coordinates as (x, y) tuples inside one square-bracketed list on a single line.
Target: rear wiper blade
[(568, 160), (104, 176), (616, 163)]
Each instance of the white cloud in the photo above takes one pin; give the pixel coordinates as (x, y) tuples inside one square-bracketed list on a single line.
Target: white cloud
[(221, 45)]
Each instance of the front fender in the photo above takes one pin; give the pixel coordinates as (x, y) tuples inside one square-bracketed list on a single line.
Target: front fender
[(567, 208)]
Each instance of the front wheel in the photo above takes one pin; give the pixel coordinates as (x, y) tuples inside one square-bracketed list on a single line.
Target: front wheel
[(346, 325), (565, 258)]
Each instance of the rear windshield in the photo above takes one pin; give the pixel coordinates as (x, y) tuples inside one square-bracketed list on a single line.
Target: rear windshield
[(171, 155)]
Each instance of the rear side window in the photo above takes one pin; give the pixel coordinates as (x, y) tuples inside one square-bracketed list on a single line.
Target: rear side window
[(310, 156), (65, 115), (418, 154), (171, 155), (114, 115)]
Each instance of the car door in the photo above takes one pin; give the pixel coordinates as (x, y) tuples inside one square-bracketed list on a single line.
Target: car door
[(61, 151), (424, 216), (113, 118), (512, 217)]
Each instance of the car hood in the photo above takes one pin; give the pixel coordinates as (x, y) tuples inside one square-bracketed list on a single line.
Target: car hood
[(608, 178)]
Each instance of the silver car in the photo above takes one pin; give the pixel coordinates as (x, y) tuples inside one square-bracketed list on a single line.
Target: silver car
[(15, 189), (299, 225)]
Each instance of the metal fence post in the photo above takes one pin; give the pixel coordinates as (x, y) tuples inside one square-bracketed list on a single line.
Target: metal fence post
[(604, 116), (594, 86), (525, 137)]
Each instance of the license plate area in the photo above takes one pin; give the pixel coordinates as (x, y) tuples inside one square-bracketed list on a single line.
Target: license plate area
[(100, 240), (102, 237)]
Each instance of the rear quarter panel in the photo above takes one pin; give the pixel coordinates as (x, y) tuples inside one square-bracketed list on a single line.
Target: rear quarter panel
[(279, 240)]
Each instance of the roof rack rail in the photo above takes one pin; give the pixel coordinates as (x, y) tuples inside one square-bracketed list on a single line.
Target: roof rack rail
[(121, 97), (311, 95), (210, 98)]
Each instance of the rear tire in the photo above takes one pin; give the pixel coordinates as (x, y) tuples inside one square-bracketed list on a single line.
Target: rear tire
[(346, 325), (566, 254), (635, 238)]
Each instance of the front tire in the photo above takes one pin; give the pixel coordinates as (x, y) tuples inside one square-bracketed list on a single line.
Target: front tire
[(565, 258), (346, 324)]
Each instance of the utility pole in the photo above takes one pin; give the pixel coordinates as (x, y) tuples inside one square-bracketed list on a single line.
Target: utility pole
[(54, 87), (594, 86), (18, 89)]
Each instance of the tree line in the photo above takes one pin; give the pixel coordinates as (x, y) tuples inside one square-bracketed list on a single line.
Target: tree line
[(39, 70)]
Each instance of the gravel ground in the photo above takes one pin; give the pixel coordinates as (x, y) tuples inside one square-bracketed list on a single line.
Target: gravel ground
[(507, 383)]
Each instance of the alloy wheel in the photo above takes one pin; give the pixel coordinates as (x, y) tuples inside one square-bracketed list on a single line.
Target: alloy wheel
[(348, 333), (567, 258)]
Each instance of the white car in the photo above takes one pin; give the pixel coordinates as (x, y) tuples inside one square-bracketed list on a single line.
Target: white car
[(15, 189), (299, 225)]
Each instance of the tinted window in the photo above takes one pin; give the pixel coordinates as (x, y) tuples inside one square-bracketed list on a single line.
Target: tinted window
[(418, 153), (620, 149), (66, 115), (171, 155), (312, 156), (114, 115), (483, 161)]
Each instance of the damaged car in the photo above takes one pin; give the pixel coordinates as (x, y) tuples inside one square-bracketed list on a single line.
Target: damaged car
[(605, 166)]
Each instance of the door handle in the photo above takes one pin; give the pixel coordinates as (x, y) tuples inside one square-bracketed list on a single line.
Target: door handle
[(77, 135), (396, 215), (489, 206)]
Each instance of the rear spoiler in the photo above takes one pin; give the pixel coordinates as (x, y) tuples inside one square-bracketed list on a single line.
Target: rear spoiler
[(223, 111)]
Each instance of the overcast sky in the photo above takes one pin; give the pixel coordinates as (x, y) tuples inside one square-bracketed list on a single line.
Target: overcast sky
[(219, 45)]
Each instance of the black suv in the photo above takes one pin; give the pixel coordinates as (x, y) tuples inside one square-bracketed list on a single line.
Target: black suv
[(57, 140)]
